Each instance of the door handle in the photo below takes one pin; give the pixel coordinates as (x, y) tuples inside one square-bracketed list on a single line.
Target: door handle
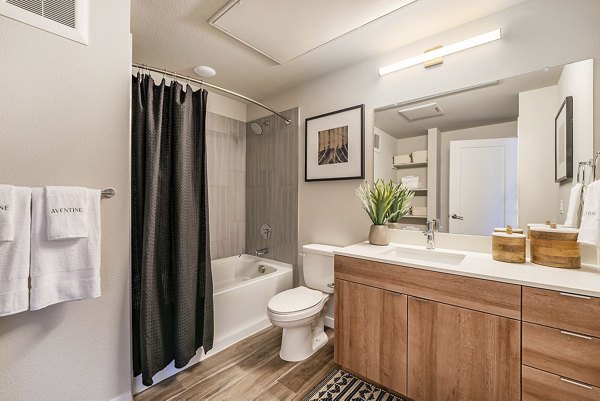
[(457, 217)]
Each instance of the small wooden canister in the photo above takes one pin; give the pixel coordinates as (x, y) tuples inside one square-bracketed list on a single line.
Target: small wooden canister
[(509, 246), (555, 247)]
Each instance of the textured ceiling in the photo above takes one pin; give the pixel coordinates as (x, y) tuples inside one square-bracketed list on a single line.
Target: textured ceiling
[(177, 36)]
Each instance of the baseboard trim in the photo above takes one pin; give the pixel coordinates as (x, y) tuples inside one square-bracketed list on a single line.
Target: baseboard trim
[(123, 397), (329, 322)]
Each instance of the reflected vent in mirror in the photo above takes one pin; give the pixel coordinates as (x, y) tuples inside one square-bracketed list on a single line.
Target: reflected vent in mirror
[(420, 112), (376, 140), (61, 11), (66, 18)]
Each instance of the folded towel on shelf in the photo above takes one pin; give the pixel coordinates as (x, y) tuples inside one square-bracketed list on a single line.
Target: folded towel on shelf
[(64, 270), (411, 181), (14, 257), (7, 205), (589, 231), (402, 159), (574, 209), (67, 213)]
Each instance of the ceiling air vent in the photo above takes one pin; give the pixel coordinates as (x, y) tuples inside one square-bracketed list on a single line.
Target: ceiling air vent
[(420, 112), (66, 18)]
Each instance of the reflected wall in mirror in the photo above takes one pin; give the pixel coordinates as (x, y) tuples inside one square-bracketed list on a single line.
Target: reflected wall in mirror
[(484, 157)]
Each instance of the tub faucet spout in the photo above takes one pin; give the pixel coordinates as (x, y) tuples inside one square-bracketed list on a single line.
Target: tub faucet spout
[(262, 251)]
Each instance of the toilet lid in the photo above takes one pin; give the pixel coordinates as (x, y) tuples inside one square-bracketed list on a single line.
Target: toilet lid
[(295, 300)]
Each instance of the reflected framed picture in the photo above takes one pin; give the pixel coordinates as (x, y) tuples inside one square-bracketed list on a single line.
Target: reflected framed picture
[(334, 145), (563, 141)]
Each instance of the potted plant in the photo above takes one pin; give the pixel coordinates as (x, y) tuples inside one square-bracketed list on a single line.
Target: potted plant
[(401, 204), (377, 202)]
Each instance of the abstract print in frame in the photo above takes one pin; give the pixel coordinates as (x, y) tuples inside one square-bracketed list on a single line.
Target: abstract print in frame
[(334, 145)]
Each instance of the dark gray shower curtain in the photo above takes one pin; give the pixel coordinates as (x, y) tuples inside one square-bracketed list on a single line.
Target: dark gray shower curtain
[(171, 269)]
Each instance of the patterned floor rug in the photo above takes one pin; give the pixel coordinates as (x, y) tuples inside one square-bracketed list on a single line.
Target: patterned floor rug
[(342, 386)]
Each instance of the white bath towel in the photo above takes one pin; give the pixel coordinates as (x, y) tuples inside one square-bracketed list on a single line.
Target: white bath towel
[(67, 213), (7, 205), (589, 231), (64, 270), (14, 258), (574, 209)]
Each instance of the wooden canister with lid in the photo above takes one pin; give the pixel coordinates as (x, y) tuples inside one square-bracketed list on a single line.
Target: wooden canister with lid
[(555, 247), (509, 246)]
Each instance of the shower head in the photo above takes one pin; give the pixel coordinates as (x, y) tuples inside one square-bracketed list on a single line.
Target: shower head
[(258, 128)]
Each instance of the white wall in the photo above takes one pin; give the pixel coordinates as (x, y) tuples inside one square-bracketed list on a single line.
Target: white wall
[(382, 158), (503, 130), (537, 109), (577, 80), (64, 115), (537, 33)]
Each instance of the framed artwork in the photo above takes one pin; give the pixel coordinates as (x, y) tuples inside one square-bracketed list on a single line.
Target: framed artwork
[(563, 141), (334, 145)]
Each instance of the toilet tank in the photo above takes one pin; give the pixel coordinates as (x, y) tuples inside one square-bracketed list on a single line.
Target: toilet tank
[(318, 266)]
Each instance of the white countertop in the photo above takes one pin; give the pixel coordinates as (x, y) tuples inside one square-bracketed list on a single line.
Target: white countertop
[(585, 281)]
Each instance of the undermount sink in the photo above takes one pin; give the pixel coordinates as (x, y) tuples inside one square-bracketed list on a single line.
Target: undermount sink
[(424, 255)]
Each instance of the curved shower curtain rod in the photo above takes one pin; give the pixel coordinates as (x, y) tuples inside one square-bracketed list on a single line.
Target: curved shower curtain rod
[(203, 83)]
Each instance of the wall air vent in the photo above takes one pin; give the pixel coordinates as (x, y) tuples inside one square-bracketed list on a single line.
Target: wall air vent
[(376, 142), (66, 18), (420, 112)]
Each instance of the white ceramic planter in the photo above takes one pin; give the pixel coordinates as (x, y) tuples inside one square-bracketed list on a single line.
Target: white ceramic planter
[(379, 235)]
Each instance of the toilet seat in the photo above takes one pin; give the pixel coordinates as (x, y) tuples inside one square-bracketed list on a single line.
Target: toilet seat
[(299, 300)]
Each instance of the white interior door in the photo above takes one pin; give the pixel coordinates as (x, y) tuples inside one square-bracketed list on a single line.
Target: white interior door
[(483, 185)]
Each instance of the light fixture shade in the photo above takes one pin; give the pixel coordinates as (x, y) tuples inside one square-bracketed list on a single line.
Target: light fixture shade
[(443, 51)]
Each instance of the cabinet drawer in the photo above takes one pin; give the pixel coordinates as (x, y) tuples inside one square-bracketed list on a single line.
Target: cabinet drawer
[(544, 386), (561, 310), (481, 295), (564, 353)]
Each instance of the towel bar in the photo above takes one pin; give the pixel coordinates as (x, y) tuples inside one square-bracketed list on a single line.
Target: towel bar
[(108, 193)]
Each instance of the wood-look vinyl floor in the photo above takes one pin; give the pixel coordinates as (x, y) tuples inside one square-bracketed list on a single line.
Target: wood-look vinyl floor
[(250, 370)]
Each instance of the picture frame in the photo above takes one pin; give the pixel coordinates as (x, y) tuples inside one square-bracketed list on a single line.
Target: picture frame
[(334, 145), (563, 142)]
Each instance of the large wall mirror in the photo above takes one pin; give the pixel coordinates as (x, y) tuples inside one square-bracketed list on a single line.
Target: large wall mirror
[(500, 153)]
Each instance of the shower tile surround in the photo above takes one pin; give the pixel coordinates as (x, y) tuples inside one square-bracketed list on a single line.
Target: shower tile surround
[(272, 186), (226, 156)]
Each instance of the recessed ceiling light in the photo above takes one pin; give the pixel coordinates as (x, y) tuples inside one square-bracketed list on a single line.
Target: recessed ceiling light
[(205, 71)]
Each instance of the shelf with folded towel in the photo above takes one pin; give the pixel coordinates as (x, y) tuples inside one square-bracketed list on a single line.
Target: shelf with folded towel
[(419, 191), (409, 165)]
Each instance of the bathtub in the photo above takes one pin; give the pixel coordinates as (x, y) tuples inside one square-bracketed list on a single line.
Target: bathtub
[(242, 287)]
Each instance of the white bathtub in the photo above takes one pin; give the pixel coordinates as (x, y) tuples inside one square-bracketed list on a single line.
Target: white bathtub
[(242, 287)]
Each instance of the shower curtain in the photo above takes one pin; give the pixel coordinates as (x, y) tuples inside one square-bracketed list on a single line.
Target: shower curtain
[(171, 271)]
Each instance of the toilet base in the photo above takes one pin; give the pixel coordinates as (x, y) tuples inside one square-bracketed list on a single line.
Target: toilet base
[(298, 343)]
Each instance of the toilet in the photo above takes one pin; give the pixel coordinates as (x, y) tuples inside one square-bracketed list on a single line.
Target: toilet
[(301, 311)]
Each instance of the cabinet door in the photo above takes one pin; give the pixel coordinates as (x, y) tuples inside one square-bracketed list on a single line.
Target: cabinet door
[(370, 333), (456, 354)]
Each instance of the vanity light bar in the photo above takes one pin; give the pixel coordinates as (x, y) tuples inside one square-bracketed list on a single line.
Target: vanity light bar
[(443, 51)]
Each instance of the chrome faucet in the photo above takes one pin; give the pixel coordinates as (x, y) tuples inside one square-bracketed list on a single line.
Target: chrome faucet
[(260, 252), (432, 227)]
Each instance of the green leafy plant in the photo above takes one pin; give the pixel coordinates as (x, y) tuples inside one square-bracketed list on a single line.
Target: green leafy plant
[(401, 204), (384, 202)]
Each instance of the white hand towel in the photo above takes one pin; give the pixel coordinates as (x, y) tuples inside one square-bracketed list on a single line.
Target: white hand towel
[(7, 205), (574, 209), (67, 212), (64, 270), (589, 231), (14, 258)]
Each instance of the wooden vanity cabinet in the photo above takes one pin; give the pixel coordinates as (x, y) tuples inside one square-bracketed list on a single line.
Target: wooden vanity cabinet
[(429, 336), (370, 338), (461, 354)]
